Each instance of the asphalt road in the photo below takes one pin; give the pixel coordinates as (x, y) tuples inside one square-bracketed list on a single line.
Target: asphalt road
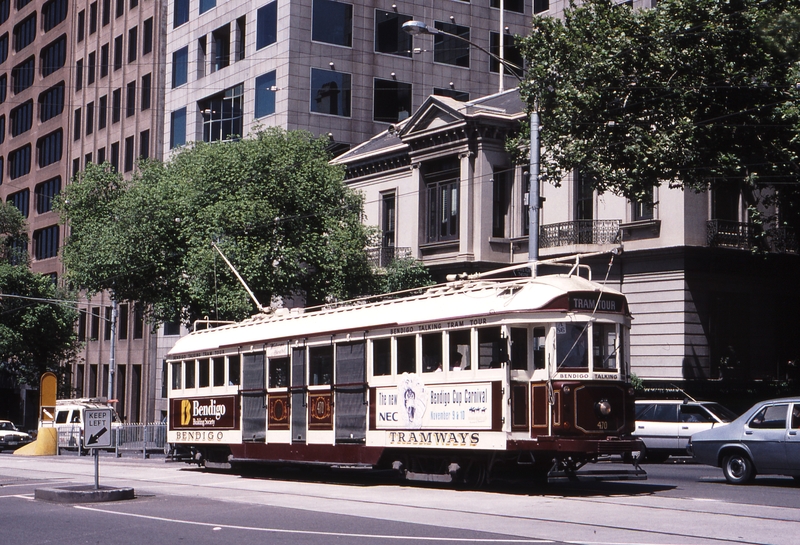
[(176, 503)]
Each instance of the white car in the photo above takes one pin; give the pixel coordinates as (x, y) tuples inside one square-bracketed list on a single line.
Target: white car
[(665, 426), (11, 438)]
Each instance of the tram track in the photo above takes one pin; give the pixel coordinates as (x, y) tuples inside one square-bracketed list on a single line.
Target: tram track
[(595, 512)]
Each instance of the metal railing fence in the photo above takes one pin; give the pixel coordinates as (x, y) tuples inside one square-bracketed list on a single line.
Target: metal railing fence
[(579, 232), (382, 256), (144, 438), (747, 236)]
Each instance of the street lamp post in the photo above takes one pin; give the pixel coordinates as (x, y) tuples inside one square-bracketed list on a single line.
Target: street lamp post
[(415, 28)]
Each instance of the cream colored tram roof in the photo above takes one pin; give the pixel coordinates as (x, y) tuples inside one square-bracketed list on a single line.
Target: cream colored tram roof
[(455, 301)]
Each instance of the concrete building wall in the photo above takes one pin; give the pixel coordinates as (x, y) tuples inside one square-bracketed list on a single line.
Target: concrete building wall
[(295, 53)]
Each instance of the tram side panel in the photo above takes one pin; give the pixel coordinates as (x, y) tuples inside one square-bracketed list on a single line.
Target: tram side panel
[(311, 403)]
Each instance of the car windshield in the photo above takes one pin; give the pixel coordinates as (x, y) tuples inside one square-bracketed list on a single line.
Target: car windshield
[(723, 413), (7, 426)]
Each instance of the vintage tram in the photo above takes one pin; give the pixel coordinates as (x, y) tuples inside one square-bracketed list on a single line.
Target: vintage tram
[(458, 382)]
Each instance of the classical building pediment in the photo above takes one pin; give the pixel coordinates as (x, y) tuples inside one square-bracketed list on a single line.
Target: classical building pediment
[(432, 115)]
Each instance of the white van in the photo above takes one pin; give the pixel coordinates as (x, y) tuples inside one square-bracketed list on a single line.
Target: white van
[(69, 419), (665, 426)]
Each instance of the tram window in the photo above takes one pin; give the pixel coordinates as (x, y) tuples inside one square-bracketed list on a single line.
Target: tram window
[(381, 357), (177, 369), (571, 345), (234, 370), (431, 352), (320, 365), (539, 336), (519, 348), (189, 370), (459, 356), (278, 372), (203, 375), (219, 371), (492, 348), (603, 341), (407, 354)]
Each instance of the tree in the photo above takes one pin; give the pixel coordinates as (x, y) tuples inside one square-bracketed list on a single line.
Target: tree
[(695, 94), (13, 235), (37, 321), (271, 203), (405, 274)]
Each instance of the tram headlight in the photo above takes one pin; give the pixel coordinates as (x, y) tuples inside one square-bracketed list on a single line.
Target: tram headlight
[(566, 389), (603, 407)]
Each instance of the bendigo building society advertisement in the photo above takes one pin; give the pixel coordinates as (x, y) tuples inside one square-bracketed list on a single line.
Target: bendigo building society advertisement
[(216, 413)]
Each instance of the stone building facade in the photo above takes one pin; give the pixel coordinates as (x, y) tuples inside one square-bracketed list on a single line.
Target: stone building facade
[(707, 307)]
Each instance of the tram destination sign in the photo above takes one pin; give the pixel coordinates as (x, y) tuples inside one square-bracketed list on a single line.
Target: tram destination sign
[(603, 302), (208, 413)]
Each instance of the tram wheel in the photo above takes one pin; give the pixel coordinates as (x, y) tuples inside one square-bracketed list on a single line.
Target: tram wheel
[(475, 475)]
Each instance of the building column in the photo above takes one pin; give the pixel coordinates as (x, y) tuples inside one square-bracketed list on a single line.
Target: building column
[(466, 199)]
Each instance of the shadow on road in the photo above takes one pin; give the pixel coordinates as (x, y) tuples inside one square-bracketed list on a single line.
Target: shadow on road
[(505, 485)]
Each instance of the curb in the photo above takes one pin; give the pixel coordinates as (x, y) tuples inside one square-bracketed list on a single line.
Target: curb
[(83, 494)]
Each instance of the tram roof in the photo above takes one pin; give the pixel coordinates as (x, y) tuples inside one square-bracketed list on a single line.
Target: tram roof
[(445, 302)]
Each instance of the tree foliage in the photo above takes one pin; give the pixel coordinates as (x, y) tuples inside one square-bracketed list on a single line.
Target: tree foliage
[(272, 203), (37, 321), (405, 274), (13, 234), (691, 93)]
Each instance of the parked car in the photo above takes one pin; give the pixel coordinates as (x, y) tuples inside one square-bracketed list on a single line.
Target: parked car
[(765, 439), (665, 426), (11, 438)]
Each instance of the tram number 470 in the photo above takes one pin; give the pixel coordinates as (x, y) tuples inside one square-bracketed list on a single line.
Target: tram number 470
[(602, 425)]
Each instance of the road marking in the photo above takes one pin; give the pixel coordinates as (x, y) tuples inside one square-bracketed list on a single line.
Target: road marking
[(20, 496), (26, 483), (215, 526)]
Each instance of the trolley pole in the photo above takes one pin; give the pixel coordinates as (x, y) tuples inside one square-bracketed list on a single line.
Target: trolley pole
[(112, 357), (534, 199)]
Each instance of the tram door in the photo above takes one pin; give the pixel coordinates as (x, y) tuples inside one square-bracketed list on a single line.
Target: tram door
[(350, 392), (299, 413), (254, 424), (519, 388)]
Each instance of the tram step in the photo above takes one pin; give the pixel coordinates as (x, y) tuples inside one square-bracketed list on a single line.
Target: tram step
[(217, 465), (429, 477)]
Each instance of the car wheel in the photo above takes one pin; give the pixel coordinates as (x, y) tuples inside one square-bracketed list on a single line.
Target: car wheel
[(738, 469)]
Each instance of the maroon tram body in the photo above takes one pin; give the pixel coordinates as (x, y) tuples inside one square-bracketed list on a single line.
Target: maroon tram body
[(467, 380)]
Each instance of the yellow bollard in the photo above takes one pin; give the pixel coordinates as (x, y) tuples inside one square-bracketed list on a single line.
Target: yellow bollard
[(46, 444)]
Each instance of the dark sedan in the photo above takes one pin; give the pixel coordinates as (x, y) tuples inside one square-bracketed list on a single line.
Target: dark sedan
[(765, 439)]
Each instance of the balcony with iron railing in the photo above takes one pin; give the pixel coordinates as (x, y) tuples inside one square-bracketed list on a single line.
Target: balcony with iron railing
[(382, 256), (748, 236), (576, 232)]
